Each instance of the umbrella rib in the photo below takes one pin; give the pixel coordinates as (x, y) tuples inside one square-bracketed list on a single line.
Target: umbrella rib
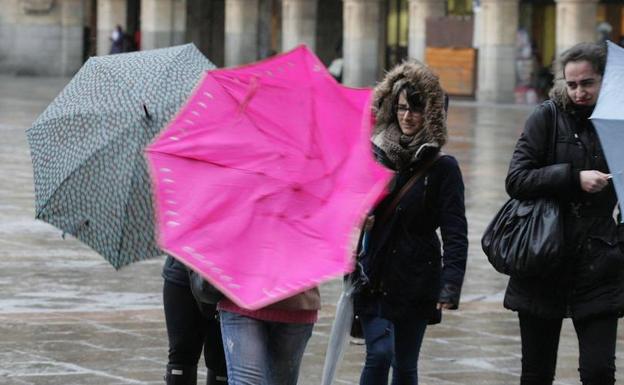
[(127, 87), (243, 111), (76, 170)]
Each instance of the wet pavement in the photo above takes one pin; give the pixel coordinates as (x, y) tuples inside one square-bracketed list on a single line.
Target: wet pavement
[(67, 317)]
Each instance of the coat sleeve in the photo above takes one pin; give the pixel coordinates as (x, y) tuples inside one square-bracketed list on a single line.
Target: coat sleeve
[(454, 231), (529, 176)]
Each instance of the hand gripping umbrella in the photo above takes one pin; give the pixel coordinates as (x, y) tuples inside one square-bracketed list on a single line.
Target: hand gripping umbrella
[(608, 117), (90, 174), (263, 177)]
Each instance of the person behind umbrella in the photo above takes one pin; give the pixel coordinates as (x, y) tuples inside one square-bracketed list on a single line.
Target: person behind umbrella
[(191, 327), (410, 279), (589, 286), (265, 346)]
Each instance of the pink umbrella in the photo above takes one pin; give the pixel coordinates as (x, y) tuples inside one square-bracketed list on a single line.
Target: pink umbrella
[(263, 177)]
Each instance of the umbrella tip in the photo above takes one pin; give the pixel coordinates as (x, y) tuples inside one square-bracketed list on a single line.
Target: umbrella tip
[(147, 114)]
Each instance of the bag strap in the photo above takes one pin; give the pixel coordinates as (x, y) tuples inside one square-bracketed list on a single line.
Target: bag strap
[(553, 140), (407, 186)]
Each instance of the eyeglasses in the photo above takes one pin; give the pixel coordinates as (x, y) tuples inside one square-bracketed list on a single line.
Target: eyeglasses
[(403, 108)]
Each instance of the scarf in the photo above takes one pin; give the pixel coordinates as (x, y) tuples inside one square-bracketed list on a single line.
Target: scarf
[(401, 149)]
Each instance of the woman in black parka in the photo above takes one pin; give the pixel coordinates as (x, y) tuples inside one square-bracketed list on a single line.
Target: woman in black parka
[(410, 278), (589, 286)]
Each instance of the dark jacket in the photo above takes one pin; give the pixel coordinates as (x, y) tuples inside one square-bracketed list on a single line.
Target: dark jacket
[(408, 267), (591, 280)]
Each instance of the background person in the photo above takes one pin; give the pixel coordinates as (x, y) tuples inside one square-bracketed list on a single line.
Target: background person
[(589, 286), (410, 280), (117, 40)]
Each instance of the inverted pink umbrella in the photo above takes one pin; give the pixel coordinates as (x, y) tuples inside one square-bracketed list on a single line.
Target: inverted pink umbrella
[(263, 177)]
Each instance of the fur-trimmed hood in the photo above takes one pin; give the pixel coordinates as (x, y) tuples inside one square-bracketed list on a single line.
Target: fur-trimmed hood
[(428, 85)]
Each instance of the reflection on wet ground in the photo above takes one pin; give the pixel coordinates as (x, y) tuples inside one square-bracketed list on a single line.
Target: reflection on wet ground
[(66, 317)]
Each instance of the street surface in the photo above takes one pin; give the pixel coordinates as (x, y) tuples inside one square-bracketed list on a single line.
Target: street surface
[(67, 317)]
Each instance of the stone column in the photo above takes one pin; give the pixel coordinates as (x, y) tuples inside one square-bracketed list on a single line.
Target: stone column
[(419, 11), (361, 44), (205, 27), (497, 51), (109, 14), (163, 23), (41, 38), (241, 31), (72, 16), (576, 23), (299, 23), (477, 23)]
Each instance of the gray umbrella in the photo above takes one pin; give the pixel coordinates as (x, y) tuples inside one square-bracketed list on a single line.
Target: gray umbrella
[(91, 179), (608, 117)]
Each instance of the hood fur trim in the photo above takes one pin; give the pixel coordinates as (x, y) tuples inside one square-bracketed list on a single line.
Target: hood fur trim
[(427, 84)]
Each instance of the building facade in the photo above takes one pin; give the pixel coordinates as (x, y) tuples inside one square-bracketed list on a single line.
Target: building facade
[(489, 49)]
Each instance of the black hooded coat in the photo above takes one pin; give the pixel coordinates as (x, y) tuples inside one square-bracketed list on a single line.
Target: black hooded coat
[(410, 271)]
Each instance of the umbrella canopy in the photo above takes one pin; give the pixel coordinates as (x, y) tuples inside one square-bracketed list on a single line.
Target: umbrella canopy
[(263, 177), (90, 175), (608, 116)]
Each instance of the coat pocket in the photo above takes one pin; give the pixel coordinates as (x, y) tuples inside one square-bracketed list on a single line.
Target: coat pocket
[(604, 257)]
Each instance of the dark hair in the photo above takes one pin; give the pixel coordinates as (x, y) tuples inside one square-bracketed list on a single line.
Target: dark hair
[(415, 99), (595, 54)]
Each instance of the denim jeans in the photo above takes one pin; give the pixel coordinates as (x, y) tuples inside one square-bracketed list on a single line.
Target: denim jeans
[(391, 344), (262, 352), (540, 342)]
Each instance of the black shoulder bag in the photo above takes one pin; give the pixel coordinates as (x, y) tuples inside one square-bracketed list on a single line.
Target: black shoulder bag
[(525, 238), (202, 290)]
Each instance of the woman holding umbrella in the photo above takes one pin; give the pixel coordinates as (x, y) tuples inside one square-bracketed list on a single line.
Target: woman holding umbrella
[(410, 279), (589, 284)]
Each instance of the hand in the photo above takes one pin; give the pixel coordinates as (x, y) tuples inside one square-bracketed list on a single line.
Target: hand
[(593, 181), (443, 305)]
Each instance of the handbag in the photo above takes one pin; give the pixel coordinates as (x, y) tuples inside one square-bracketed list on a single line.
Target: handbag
[(525, 238), (202, 290)]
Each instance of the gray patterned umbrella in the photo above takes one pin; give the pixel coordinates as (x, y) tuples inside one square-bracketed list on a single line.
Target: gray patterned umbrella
[(91, 179)]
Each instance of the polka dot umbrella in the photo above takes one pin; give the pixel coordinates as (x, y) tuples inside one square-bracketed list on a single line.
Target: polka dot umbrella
[(91, 178)]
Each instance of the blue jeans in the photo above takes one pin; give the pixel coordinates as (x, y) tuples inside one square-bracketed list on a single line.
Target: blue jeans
[(262, 352), (395, 344)]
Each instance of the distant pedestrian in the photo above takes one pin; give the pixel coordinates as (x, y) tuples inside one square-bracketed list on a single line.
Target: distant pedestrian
[(589, 285), (265, 346), (191, 328), (117, 40), (410, 280)]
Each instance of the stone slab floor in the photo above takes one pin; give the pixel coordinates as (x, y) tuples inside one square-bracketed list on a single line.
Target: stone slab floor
[(67, 317)]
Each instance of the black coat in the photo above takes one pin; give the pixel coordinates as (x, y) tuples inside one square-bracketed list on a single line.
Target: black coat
[(591, 280), (409, 273)]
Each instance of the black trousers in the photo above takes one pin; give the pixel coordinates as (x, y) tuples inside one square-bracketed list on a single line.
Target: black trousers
[(191, 329), (540, 342)]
